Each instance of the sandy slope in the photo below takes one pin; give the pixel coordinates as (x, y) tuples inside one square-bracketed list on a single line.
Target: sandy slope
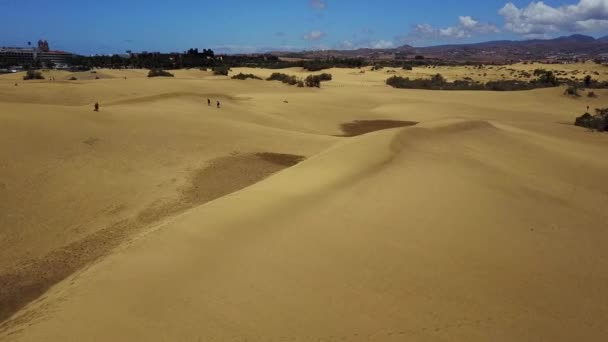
[(486, 222)]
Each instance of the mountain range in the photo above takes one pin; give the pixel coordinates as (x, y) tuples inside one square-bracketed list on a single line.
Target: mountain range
[(563, 48)]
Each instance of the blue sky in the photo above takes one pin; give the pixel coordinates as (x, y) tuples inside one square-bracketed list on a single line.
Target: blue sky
[(112, 26)]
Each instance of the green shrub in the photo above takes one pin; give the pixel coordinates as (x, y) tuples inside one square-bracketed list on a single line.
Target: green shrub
[(547, 78), (587, 81), (241, 76), (511, 85), (437, 82), (287, 79), (314, 81), (572, 91), (221, 70), (159, 73), (33, 75), (325, 77), (599, 121), (438, 79)]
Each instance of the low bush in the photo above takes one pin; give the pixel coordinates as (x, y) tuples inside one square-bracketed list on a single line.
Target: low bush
[(314, 81), (73, 78), (325, 77), (241, 76), (33, 75), (599, 121), (587, 81), (221, 70), (437, 82), (591, 94), (287, 79), (547, 78), (572, 90), (159, 73)]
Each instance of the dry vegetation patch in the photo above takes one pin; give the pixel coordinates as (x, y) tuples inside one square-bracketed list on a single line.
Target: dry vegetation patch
[(223, 176), (360, 127)]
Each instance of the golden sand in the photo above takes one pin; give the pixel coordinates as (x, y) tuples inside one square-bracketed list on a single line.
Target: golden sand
[(160, 218)]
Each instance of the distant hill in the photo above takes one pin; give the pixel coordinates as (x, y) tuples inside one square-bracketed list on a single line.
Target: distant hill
[(562, 48)]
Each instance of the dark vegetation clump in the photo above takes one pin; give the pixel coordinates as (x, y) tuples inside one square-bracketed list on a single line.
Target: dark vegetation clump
[(438, 82), (317, 65), (591, 94), (207, 59), (159, 73), (598, 122), (281, 158), (287, 79), (310, 81), (221, 70), (33, 75), (315, 80), (572, 90), (546, 78), (73, 78), (359, 127), (513, 85), (587, 81), (242, 76)]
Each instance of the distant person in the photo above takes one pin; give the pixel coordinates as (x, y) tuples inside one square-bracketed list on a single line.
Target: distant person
[(96, 107), (218, 104), (208, 102), (16, 84)]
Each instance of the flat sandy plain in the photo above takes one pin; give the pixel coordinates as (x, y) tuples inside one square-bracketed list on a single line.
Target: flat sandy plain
[(160, 218)]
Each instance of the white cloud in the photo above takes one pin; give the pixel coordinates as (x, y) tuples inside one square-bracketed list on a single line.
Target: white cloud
[(318, 4), (382, 44), (468, 22), (347, 44), (540, 19), (467, 27), (314, 35), (350, 44)]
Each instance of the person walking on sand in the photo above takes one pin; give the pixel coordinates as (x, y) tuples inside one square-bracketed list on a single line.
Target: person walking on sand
[(218, 104), (96, 107)]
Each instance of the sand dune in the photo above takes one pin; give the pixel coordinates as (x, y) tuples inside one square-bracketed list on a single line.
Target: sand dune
[(485, 221)]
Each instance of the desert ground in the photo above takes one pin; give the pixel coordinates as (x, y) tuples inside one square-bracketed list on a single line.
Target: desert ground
[(457, 216)]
